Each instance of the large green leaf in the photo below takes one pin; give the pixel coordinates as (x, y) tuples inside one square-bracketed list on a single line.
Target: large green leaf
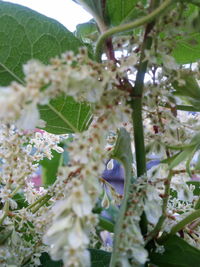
[(95, 7), (64, 115), (113, 12), (187, 48), (26, 34), (176, 253), (190, 88), (120, 11), (188, 92)]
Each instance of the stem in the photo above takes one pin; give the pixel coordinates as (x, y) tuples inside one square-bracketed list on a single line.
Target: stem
[(109, 50), (136, 105), (122, 153), (139, 137), (197, 206), (5, 212), (16, 190), (190, 218), (38, 201), (41, 204), (129, 26)]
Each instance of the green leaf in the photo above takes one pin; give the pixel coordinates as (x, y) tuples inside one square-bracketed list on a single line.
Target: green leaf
[(113, 12), (106, 224), (99, 258), (64, 115), (26, 34), (173, 193), (187, 49), (87, 32), (195, 2), (190, 89), (177, 253), (50, 168), (170, 160), (190, 157), (181, 157), (188, 108), (187, 152), (120, 11), (122, 151), (5, 233), (94, 7), (197, 165), (21, 201), (46, 261)]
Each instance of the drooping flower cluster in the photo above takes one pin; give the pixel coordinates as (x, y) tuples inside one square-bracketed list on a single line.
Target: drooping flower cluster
[(76, 76), (77, 187), (73, 216)]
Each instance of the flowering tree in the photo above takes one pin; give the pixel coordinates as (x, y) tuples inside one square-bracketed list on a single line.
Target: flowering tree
[(124, 86)]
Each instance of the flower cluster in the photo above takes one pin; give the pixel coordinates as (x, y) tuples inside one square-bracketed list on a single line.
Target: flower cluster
[(20, 154), (76, 76), (77, 187), (143, 197), (73, 221)]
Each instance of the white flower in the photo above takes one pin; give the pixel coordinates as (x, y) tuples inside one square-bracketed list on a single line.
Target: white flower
[(30, 117), (140, 254), (169, 62), (80, 201), (61, 225), (74, 257), (153, 211), (10, 101), (185, 193), (77, 237), (153, 207)]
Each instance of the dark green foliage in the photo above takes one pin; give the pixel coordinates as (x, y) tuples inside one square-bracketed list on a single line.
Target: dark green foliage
[(177, 253)]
